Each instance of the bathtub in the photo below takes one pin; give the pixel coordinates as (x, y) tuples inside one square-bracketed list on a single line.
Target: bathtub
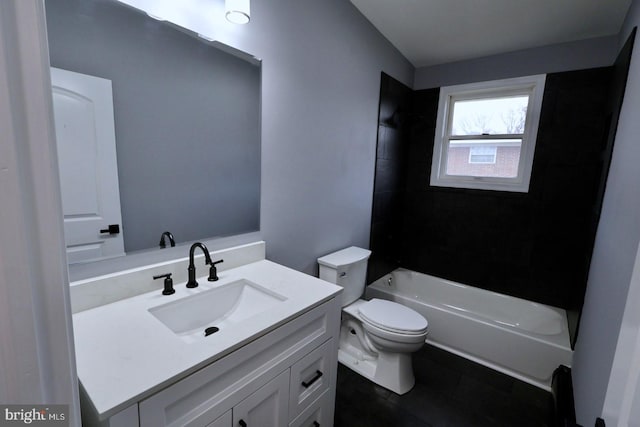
[(520, 338)]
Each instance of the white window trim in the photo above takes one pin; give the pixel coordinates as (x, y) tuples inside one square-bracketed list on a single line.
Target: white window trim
[(534, 85)]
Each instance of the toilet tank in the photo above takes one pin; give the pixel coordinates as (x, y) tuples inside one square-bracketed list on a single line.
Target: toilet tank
[(346, 268)]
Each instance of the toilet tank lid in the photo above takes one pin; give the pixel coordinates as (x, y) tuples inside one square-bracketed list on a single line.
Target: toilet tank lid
[(344, 257)]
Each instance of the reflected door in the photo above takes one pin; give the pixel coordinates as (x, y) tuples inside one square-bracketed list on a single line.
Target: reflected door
[(85, 133)]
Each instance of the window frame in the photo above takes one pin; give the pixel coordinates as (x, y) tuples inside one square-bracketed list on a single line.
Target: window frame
[(533, 86)]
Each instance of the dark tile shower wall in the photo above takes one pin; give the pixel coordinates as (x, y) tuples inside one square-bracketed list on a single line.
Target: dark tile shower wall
[(534, 245), (531, 245), (387, 215)]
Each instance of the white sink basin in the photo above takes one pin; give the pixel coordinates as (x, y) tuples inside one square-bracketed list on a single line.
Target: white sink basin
[(220, 307)]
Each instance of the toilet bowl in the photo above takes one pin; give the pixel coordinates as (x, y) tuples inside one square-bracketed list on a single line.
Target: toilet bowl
[(393, 327), (379, 351), (377, 337)]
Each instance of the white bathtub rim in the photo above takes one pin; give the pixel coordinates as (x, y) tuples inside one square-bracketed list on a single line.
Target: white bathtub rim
[(552, 340), (400, 270), (554, 310), (560, 340)]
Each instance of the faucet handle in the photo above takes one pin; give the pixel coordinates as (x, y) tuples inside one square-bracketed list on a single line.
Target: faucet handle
[(168, 283), (213, 272)]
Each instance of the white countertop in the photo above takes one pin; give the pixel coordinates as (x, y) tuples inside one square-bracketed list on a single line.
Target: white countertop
[(124, 354)]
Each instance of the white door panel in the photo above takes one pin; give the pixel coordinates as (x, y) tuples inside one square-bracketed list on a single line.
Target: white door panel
[(85, 134)]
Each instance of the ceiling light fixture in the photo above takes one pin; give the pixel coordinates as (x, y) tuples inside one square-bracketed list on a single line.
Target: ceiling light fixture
[(237, 11)]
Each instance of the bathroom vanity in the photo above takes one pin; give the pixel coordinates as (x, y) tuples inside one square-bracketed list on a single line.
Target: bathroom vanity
[(269, 358)]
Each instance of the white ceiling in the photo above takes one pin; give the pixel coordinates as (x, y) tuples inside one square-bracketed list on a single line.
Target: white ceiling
[(431, 32)]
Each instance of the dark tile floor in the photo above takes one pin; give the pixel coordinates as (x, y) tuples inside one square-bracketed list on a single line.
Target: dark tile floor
[(449, 391)]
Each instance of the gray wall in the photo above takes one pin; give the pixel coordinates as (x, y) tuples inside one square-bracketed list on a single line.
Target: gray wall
[(614, 252), (592, 53), (321, 81), (187, 120)]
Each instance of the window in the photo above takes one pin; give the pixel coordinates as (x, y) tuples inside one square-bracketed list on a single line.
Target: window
[(483, 155), (486, 134)]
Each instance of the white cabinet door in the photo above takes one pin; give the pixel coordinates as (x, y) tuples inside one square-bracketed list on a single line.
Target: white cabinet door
[(85, 133), (267, 407), (224, 420)]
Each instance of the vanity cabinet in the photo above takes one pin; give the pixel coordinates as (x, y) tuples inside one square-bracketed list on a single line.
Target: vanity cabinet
[(285, 377)]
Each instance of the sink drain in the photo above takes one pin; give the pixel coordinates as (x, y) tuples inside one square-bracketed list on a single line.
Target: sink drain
[(211, 330)]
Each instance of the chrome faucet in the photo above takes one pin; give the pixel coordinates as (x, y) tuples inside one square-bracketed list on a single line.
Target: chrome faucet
[(171, 240), (191, 283)]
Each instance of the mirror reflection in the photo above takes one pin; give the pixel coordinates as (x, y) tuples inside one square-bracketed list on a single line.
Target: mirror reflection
[(186, 124)]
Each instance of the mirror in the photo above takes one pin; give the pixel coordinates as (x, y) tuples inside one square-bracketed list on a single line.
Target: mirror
[(186, 115)]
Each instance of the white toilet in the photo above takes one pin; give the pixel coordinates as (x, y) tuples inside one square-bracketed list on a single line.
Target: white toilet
[(377, 337)]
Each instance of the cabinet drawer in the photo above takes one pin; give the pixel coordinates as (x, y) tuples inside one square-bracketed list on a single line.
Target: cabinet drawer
[(318, 414), (202, 397), (310, 378)]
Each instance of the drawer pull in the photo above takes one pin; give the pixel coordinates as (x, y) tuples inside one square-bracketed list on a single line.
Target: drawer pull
[(316, 377), (242, 423), (316, 424)]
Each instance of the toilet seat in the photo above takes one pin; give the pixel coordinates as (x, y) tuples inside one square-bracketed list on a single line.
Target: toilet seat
[(392, 317)]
